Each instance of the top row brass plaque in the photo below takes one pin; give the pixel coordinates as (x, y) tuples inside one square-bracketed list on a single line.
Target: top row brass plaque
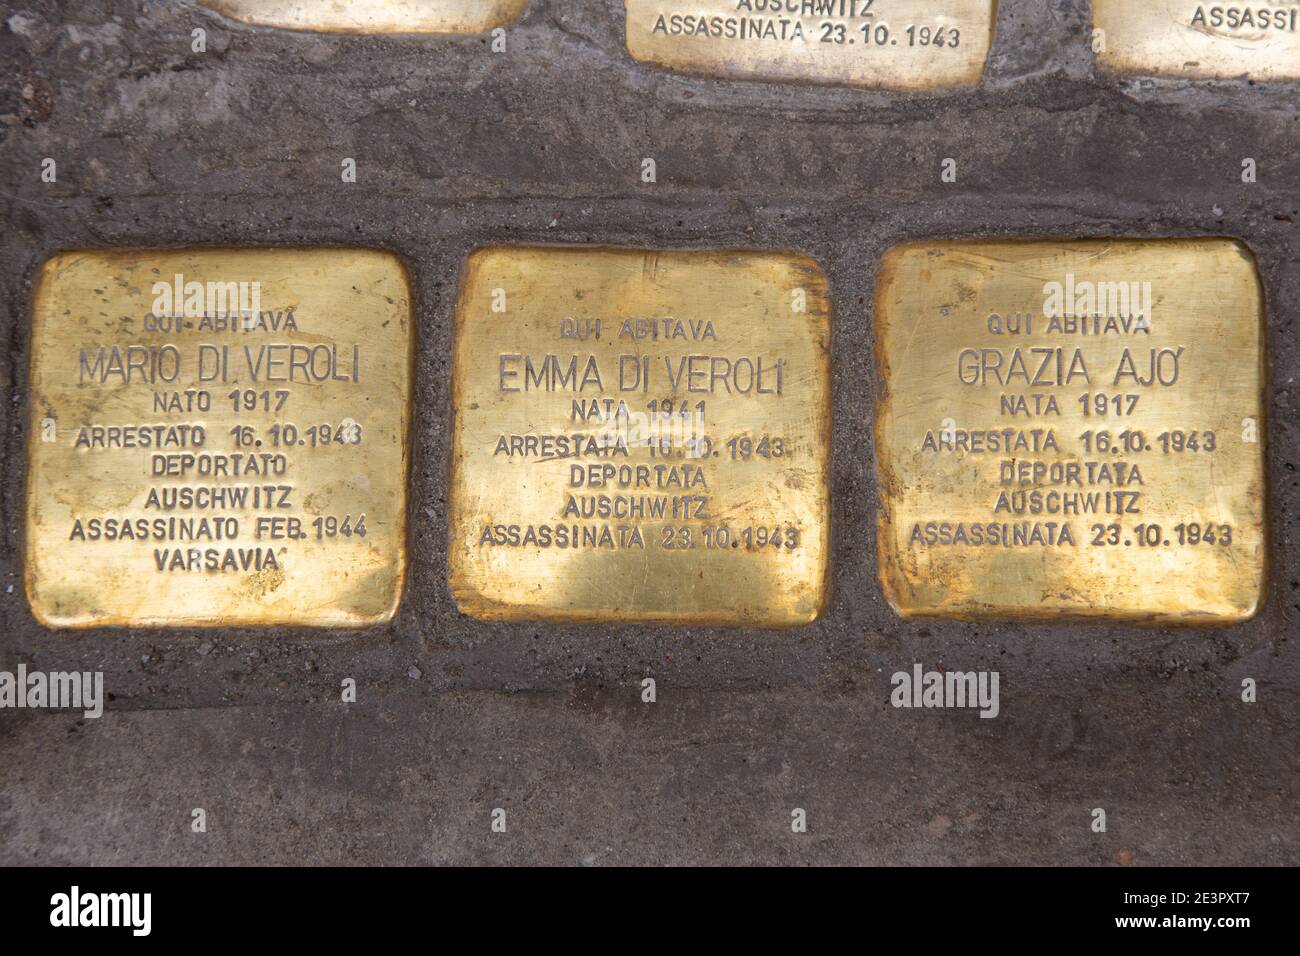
[(1256, 39), (374, 16), (900, 44)]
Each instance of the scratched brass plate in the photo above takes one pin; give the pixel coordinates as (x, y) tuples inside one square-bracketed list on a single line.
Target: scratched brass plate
[(894, 44), (374, 16), (640, 436), (190, 464), (1258, 39), (1071, 429)]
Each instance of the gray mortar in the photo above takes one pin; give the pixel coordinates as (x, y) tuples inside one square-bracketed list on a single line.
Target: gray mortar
[(458, 147)]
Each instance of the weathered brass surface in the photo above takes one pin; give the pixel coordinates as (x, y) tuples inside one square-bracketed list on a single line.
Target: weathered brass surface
[(190, 465), (1255, 39), (1071, 428), (640, 436), (894, 44), (374, 16)]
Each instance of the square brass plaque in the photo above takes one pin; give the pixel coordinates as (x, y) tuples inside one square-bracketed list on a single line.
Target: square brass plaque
[(894, 44), (1071, 429), (374, 16), (1256, 39), (640, 436), (218, 437)]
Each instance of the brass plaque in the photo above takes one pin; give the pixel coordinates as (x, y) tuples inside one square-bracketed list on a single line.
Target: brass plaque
[(218, 437), (640, 436), (1258, 40), (1071, 429), (374, 16), (893, 44)]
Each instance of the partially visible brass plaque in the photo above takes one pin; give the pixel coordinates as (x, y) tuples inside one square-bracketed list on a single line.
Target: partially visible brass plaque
[(218, 437), (640, 436), (1072, 429), (1255, 39), (893, 44), (374, 16)]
